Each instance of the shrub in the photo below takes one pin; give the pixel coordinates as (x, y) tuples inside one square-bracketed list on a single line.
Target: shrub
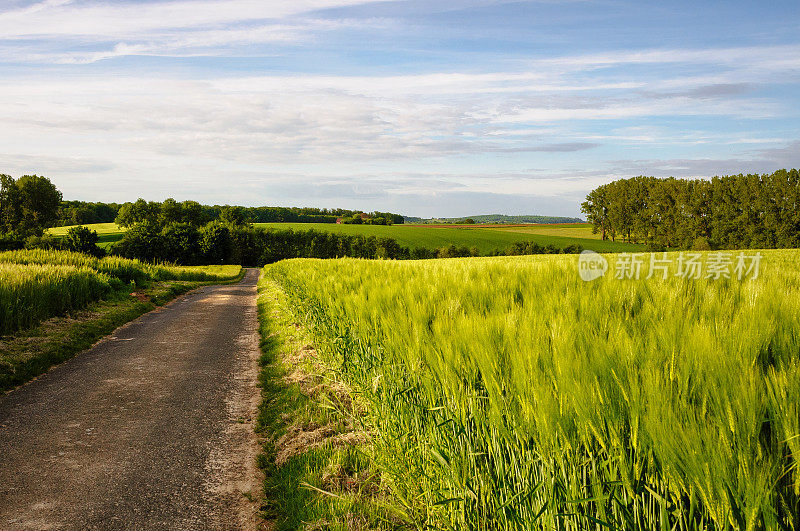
[(215, 243), (701, 244), (82, 240), (180, 242), (142, 241), (655, 248)]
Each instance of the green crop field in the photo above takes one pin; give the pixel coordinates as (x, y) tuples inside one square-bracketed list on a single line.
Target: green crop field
[(36, 285), (566, 230), (32, 293), (485, 239), (108, 233), (508, 390)]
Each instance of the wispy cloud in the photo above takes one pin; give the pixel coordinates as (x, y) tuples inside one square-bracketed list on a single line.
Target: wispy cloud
[(312, 118), (70, 18), (91, 94)]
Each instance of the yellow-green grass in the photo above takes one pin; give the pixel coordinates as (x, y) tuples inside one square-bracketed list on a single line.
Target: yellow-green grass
[(108, 233), (566, 230), (328, 482), (54, 304), (124, 269), (32, 293), (221, 273), (507, 390), (38, 284), (486, 240)]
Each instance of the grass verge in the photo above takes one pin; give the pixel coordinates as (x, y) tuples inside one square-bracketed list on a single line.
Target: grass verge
[(316, 457), (27, 354)]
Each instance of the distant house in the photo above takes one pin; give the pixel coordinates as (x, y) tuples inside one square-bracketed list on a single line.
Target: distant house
[(365, 215), (339, 221)]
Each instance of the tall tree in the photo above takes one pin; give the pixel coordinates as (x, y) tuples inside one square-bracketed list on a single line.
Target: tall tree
[(596, 209), (39, 202), (733, 211), (10, 207), (139, 211)]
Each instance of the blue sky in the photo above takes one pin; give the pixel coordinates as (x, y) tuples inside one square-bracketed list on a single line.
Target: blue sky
[(429, 108)]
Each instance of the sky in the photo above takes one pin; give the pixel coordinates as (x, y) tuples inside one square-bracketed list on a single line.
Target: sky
[(421, 107)]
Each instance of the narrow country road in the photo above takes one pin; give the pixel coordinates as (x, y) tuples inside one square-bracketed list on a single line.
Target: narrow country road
[(152, 428)]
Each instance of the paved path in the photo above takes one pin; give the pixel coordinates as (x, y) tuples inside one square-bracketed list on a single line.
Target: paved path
[(150, 429)]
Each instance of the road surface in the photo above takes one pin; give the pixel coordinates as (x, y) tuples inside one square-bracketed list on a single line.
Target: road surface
[(152, 428)]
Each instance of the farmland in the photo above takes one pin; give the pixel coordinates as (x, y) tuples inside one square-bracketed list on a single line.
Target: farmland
[(508, 390), (486, 239), (108, 233), (564, 230), (32, 293), (37, 286)]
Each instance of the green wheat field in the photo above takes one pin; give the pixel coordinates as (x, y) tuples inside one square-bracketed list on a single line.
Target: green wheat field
[(37, 284), (508, 393)]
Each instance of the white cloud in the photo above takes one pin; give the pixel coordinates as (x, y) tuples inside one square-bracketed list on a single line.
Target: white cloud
[(71, 32), (781, 57), (95, 19), (311, 119), (472, 132)]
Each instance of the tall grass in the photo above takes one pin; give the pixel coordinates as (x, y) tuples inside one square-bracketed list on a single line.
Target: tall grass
[(507, 393), (122, 268), (32, 293), (38, 284)]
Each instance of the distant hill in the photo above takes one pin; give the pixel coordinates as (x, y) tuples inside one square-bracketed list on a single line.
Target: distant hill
[(498, 219)]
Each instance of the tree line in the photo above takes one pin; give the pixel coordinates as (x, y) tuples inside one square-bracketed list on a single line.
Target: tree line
[(171, 210), (178, 232), (189, 233), (495, 219), (229, 240), (87, 213), (727, 212)]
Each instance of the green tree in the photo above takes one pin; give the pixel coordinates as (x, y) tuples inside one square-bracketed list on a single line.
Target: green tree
[(82, 240), (139, 211), (215, 243), (234, 216), (596, 208), (143, 241), (39, 203), (170, 212), (10, 205), (180, 243), (728, 212), (192, 213)]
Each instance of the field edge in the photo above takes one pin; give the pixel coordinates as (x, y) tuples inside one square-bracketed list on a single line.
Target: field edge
[(316, 454), (27, 354)]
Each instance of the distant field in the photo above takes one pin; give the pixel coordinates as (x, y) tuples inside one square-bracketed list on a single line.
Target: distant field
[(107, 232), (567, 230), (486, 238)]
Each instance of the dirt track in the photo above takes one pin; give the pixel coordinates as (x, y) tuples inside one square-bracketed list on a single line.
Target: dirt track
[(151, 428)]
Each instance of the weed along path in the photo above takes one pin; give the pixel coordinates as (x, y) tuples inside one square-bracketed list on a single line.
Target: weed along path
[(151, 428)]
